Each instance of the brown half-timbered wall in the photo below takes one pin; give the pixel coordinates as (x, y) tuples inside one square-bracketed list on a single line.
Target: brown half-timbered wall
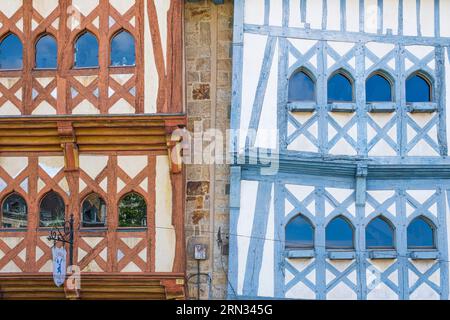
[(154, 85)]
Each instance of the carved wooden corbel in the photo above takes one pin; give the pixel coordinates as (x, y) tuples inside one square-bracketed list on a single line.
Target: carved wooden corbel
[(174, 137), (69, 145)]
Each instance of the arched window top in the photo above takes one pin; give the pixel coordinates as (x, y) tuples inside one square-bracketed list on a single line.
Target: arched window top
[(420, 233), (132, 211), (46, 52), (86, 51), (378, 88), (14, 212), (340, 87), (379, 234), (52, 210), (94, 211), (299, 233), (339, 234), (123, 49), (11, 52), (302, 87), (418, 88)]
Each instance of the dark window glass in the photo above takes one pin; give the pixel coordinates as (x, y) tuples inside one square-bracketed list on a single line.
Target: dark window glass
[(94, 211), (132, 211), (340, 88), (52, 210), (11, 53), (14, 212), (339, 234), (46, 52), (299, 233), (86, 51), (301, 87), (379, 234), (378, 88), (420, 234), (122, 50), (418, 89)]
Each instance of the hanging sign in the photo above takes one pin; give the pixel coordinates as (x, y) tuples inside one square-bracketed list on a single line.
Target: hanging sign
[(59, 265)]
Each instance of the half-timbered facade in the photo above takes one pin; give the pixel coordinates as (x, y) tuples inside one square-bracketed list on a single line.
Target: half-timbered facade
[(90, 93), (347, 100)]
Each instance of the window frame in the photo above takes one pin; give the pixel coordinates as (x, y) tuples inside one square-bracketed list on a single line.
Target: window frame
[(133, 228), (313, 79), (115, 34), (428, 79), (350, 78), (433, 228), (2, 38), (340, 248), (6, 197), (300, 247), (392, 228), (40, 204), (38, 38), (74, 50), (105, 225), (386, 76)]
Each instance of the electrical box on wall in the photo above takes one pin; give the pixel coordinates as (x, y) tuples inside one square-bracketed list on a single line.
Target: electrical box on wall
[(200, 252)]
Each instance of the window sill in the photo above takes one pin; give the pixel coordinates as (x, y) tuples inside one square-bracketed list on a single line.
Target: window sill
[(132, 229), (298, 106), (424, 107), (382, 254), (341, 255), (93, 229), (300, 253), (342, 107), (375, 107), (424, 255), (13, 229)]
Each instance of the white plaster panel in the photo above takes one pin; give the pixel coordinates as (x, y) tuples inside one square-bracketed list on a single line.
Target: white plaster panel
[(382, 292), (294, 14), (333, 16), (93, 164), (123, 5), (314, 13), (421, 195), (300, 291), (132, 165), (44, 108), (424, 292), (45, 7), (254, 47), (370, 16), (13, 165), (444, 21), (244, 227), (427, 18), (276, 13), (267, 136), (390, 16), (420, 51), (300, 192), (151, 79), (52, 164), (341, 292), (254, 12), (301, 143), (9, 109), (380, 49), (352, 15), (85, 7), (10, 7), (165, 233), (85, 107), (409, 18), (266, 275), (162, 8)]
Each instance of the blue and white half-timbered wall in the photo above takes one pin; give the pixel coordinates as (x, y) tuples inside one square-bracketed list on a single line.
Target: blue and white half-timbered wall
[(373, 170)]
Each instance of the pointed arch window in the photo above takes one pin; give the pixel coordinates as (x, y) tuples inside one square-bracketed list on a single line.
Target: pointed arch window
[(418, 88), (86, 51), (11, 53), (94, 211), (123, 49), (302, 87), (52, 210), (46, 52), (378, 88), (380, 234), (420, 234), (14, 212), (339, 234), (132, 211), (299, 233), (340, 87)]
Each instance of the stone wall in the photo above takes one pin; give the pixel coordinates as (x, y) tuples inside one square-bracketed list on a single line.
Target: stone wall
[(208, 40)]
